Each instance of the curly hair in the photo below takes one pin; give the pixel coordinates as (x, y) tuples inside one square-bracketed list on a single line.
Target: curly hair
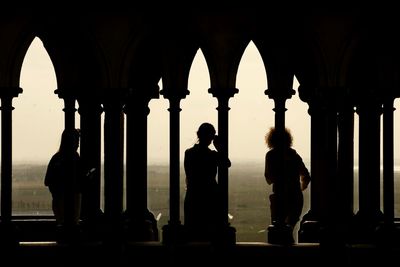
[(272, 138)]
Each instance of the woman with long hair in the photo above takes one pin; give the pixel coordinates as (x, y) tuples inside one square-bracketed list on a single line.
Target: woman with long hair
[(202, 206)]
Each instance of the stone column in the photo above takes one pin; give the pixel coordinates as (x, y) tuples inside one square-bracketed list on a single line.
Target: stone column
[(140, 226), (173, 232), (387, 231), (346, 162), (388, 162), (113, 161), (7, 231), (320, 221), (90, 150), (227, 232), (369, 213)]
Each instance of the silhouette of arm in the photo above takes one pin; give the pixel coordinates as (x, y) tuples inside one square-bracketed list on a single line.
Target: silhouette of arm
[(222, 161), (305, 177), (187, 163), (268, 171)]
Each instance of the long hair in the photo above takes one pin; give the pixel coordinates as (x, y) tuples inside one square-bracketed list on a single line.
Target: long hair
[(272, 138)]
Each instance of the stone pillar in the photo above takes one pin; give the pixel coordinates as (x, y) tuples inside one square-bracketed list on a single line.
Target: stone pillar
[(369, 213), (345, 176), (7, 233), (90, 150), (320, 221), (387, 231), (113, 162), (388, 162), (173, 232), (227, 232), (140, 226)]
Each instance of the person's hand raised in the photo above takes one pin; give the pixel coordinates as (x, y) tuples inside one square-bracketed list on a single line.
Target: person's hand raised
[(217, 142)]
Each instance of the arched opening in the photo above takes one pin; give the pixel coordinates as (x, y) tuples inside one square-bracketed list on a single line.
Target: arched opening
[(250, 117), (38, 121), (158, 159), (198, 107)]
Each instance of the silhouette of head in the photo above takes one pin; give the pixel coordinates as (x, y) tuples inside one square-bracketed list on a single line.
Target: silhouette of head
[(206, 133), (273, 138), (69, 140)]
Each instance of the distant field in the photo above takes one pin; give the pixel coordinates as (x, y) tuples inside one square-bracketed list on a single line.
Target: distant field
[(248, 196)]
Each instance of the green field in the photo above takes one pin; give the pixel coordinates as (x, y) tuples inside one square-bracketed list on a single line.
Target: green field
[(248, 196)]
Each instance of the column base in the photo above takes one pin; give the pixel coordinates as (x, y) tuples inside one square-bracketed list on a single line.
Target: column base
[(225, 236), (173, 234), (70, 234), (388, 234), (326, 234), (8, 235), (309, 232), (138, 231), (93, 227), (280, 234), (365, 225)]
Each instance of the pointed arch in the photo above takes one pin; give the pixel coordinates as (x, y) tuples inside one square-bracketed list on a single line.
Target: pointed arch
[(38, 121), (250, 108), (199, 106), (250, 116)]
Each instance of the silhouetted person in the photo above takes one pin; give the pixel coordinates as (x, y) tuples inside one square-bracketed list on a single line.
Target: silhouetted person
[(65, 177), (285, 170), (202, 206)]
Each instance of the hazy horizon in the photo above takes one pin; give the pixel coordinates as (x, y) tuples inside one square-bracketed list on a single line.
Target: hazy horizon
[(249, 209)]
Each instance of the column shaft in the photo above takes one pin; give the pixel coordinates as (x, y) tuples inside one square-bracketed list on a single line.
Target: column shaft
[(90, 151), (6, 159), (346, 162), (223, 171), (388, 162), (174, 165), (369, 160), (136, 159), (113, 159)]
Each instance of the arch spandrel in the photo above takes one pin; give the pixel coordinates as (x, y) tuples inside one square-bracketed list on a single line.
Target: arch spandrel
[(278, 67), (178, 48), (223, 40), (78, 60), (16, 35), (320, 57), (141, 64)]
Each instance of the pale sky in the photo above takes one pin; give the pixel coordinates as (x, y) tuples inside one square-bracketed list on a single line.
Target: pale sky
[(38, 112)]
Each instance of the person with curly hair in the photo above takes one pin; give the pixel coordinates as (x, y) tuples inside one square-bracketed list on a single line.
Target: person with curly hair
[(286, 172)]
